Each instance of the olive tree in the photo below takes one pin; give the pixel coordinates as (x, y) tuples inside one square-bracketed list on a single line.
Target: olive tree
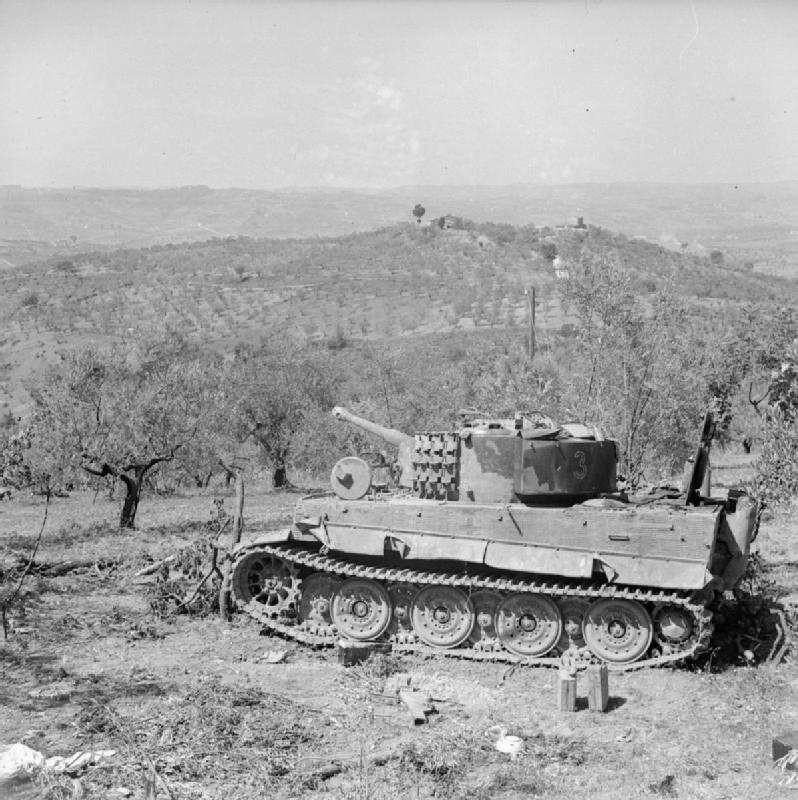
[(640, 367), (276, 393), (121, 413), (15, 470)]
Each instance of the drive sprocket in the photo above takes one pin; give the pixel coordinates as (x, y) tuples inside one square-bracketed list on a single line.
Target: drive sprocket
[(267, 580)]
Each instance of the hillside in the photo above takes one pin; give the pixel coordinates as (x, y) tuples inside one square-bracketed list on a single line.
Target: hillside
[(753, 222), (398, 281)]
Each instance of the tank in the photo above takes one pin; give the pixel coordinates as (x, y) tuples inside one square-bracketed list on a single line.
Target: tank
[(501, 540)]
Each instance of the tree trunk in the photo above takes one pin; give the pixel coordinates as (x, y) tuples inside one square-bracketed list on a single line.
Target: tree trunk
[(133, 484), (238, 527), (279, 478)]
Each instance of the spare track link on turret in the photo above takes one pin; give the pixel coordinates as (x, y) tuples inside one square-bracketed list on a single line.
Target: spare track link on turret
[(335, 569)]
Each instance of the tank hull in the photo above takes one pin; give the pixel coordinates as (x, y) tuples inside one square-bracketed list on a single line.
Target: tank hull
[(670, 547), (630, 585)]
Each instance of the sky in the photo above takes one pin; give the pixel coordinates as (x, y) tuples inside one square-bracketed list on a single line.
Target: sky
[(267, 95)]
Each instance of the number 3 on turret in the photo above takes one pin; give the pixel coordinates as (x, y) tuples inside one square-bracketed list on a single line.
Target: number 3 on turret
[(581, 473)]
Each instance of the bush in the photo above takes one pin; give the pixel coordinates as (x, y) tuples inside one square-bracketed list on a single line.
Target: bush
[(777, 467)]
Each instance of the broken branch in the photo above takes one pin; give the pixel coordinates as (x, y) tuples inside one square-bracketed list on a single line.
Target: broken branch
[(154, 567)]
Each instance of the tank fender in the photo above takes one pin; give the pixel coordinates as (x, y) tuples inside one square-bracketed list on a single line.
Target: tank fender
[(265, 537)]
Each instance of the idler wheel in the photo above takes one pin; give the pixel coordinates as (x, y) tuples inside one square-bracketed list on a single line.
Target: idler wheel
[(361, 609), (268, 580), (528, 624), (442, 616), (673, 626), (618, 631)]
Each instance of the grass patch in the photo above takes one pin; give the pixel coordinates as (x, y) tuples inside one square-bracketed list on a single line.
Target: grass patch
[(212, 735)]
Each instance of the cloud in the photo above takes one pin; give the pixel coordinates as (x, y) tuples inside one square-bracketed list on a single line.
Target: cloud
[(370, 134)]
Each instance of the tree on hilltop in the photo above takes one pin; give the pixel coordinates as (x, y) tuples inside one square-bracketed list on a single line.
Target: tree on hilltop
[(548, 250)]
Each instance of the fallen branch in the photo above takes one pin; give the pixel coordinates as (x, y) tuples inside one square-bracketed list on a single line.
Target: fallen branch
[(154, 567), (327, 766), (73, 565), (214, 569), (782, 642)]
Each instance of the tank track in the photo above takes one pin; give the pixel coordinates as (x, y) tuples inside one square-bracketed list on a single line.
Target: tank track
[(327, 636)]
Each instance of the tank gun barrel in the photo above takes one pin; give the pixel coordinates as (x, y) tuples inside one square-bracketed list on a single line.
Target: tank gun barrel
[(405, 443), (390, 435)]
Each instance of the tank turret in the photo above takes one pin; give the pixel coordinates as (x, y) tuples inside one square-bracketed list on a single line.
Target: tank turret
[(528, 459)]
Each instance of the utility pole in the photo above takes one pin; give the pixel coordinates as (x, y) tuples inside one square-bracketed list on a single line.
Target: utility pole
[(530, 296)]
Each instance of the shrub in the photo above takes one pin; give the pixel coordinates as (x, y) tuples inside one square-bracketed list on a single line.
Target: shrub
[(777, 467)]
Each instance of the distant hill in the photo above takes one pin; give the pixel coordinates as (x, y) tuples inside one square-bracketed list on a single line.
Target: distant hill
[(397, 281), (754, 222)]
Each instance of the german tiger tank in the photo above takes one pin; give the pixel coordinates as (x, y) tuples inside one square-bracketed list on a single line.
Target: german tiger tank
[(502, 540)]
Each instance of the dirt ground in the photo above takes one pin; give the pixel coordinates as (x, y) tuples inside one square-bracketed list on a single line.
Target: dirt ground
[(194, 708)]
